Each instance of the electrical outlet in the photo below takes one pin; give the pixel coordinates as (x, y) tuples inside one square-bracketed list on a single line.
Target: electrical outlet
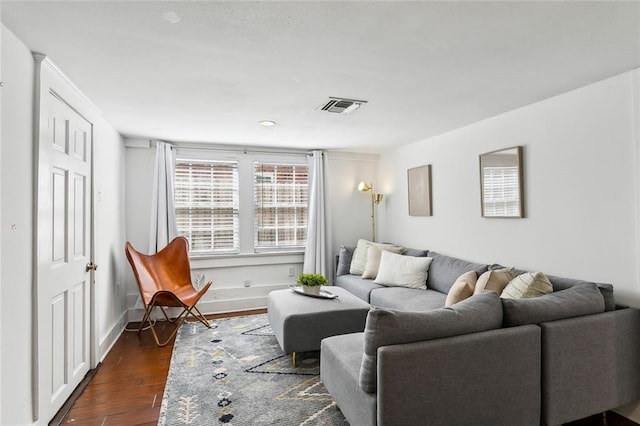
[(291, 271), (247, 283), (199, 280)]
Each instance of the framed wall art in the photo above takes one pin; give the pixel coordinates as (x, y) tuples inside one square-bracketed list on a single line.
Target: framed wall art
[(419, 186)]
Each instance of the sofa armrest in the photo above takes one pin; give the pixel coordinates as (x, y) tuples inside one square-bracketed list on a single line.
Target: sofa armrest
[(589, 364), (491, 377)]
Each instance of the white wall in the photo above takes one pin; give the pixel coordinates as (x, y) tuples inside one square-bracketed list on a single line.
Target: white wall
[(139, 164), (1, 222), (632, 411), (109, 237), (16, 219), (16, 182), (581, 171), (350, 209)]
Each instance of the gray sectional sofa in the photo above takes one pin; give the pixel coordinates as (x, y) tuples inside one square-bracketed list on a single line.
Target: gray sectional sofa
[(483, 361)]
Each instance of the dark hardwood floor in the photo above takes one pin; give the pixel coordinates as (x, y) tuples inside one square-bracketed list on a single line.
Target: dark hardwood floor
[(127, 388)]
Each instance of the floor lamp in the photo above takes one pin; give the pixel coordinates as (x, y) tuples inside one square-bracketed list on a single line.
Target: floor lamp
[(376, 197)]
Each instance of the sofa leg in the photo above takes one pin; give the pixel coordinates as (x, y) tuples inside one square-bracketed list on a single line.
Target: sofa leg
[(293, 359)]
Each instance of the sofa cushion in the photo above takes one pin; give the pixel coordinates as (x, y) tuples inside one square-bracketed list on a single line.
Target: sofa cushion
[(374, 253), (340, 358), (385, 327), (406, 299), (582, 299), (344, 260), (516, 271), (462, 289), (357, 286), (445, 270), (494, 280), (560, 283), (606, 290), (403, 271), (415, 252), (527, 285)]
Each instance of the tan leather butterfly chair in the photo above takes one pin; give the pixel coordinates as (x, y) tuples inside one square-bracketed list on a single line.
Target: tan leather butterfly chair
[(164, 280)]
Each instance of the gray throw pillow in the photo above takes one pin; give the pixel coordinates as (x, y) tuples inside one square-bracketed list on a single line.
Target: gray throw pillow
[(581, 299), (385, 327), (344, 260)]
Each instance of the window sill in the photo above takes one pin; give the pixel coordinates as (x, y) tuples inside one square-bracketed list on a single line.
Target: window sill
[(246, 259)]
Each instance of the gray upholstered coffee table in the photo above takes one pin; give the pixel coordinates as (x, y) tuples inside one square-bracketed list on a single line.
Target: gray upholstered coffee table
[(300, 322)]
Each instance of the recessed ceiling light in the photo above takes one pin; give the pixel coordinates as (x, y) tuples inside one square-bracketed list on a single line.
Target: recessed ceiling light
[(267, 123), (171, 17)]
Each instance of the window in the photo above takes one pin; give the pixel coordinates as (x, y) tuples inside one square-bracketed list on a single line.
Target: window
[(206, 198), (280, 194), (500, 186)]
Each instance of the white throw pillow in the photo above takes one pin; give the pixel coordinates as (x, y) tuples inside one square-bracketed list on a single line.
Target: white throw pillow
[(527, 285), (374, 253), (359, 259), (403, 271)]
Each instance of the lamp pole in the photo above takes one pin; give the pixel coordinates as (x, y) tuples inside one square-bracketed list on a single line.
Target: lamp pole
[(375, 199), (373, 214)]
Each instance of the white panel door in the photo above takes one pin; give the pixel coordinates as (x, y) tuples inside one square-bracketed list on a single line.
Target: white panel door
[(64, 232)]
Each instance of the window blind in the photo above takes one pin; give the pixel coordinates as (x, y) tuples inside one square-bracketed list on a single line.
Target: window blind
[(206, 202), (501, 195), (281, 198)]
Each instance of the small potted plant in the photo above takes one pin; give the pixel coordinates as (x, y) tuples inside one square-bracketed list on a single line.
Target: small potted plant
[(311, 283)]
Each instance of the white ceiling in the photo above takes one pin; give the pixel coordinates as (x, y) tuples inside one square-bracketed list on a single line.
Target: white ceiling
[(202, 71)]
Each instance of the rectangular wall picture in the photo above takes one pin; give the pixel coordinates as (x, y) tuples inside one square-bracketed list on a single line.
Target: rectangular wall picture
[(501, 193), (419, 184)]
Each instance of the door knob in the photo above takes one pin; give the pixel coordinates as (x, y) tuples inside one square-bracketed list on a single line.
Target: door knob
[(91, 267)]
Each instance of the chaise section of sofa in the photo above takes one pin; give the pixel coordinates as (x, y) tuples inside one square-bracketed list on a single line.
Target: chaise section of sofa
[(487, 378), (340, 360), (450, 366), (589, 364)]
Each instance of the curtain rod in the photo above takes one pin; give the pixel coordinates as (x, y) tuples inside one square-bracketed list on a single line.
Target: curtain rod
[(245, 150)]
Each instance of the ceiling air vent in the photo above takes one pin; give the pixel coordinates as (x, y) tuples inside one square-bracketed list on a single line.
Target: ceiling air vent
[(341, 106)]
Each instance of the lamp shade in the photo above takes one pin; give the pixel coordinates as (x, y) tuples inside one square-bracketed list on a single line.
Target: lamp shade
[(364, 187)]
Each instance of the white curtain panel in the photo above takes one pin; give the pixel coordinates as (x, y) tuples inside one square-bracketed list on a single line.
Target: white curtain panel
[(163, 215), (318, 251)]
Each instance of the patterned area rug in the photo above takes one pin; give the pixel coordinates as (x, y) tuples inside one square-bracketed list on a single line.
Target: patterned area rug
[(236, 374)]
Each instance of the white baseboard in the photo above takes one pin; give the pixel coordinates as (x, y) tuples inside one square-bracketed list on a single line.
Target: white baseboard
[(220, 300), (630, 411), (214, 307), (112, 336)]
